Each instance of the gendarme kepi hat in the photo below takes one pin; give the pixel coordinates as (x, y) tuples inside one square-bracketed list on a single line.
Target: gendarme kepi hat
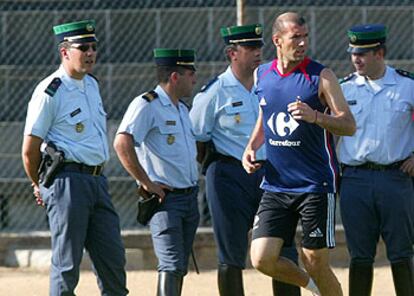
[(363, 38), (79, 32), (175, 57), (250, 35)]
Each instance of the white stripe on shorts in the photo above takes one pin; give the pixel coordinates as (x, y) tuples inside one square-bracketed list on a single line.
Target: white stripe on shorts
[(330, 221)]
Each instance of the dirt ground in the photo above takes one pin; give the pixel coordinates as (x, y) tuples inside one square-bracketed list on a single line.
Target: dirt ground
[(20, 282)]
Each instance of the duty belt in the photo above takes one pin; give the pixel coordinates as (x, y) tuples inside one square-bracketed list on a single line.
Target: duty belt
[(376, 166), (187, 190), (228, 159), (95, 170)]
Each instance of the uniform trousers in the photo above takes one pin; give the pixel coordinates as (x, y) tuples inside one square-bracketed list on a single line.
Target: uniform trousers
[(81, 215), (173, 228), (377, 203)]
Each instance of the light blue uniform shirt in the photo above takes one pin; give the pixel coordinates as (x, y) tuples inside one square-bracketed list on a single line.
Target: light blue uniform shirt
[(383, 114), (226, 112), (73, 118), (165, 144)]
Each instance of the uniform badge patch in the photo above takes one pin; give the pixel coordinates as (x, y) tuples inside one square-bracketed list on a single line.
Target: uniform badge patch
[(237, 117), (346, 78), (79, 127), (405, 73), (150, 96), (170, 139), (53, 86)]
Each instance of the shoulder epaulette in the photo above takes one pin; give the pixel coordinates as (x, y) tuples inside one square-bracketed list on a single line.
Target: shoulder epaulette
[(405, 73), (185, 104), (94, 77), (210, 83), (150, 96), (53, 86), (346, 78)]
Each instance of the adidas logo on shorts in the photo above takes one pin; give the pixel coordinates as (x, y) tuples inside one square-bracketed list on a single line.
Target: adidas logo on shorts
[(316, 233)]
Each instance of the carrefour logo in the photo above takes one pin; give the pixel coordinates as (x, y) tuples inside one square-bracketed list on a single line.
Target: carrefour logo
[(283, 125)]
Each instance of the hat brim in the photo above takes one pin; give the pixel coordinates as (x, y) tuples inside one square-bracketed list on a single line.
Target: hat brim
[(353, 49), (85, 40), (251, 43)]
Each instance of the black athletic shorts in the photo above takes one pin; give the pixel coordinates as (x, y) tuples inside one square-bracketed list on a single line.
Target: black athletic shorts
[(279, 213)]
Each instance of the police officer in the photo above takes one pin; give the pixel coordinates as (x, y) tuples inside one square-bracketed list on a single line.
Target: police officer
[(377, 197), (157, 125), (66, 109), (224, 113)]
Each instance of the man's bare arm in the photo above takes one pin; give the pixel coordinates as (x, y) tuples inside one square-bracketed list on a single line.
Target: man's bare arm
[(340, 121), (201, 151), (124, 148), (256, 141), (32, 157)]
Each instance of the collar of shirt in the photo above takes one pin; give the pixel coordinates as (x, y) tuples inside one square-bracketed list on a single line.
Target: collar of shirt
[(165, 99), (67, 80), (388, 79), (163, 96), (230, 80)]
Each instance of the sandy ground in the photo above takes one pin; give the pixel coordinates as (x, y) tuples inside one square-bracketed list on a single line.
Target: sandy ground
[(19, 282)]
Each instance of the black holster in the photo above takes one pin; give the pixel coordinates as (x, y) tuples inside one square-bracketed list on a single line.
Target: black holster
[(209, 156), (51, 163), (148, 204)]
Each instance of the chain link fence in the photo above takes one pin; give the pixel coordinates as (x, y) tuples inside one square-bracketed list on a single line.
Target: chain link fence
[(128, 31)]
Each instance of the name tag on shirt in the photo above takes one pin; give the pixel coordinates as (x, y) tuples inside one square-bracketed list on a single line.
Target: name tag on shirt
[(237, 104), (170, 122), (76, 112), (352, 102)]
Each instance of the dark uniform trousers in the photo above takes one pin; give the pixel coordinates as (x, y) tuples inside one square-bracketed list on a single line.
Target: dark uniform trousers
[(173, 228), (378, 203), (81, 215)]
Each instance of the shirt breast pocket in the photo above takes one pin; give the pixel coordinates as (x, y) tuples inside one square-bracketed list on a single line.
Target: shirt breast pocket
[(76, 127), (234, 115), (356, 111), (400, 113), (169, 136)]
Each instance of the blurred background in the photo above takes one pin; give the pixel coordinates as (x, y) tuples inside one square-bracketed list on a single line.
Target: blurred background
[(128, 31)]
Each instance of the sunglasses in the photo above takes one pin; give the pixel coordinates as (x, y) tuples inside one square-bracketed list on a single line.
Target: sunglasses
[(85, 47)]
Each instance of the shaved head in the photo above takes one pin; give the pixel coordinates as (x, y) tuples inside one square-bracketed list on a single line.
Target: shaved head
[(287, 17)]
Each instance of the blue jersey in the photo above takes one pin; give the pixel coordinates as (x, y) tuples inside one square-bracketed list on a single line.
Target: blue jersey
[(301, 155)]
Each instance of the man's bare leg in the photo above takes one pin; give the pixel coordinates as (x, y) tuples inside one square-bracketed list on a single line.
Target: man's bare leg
[(316, 263), (264, 254)]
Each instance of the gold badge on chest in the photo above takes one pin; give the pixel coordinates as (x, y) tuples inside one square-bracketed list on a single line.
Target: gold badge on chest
[(170, 139), (79, 127), (237, 117)]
